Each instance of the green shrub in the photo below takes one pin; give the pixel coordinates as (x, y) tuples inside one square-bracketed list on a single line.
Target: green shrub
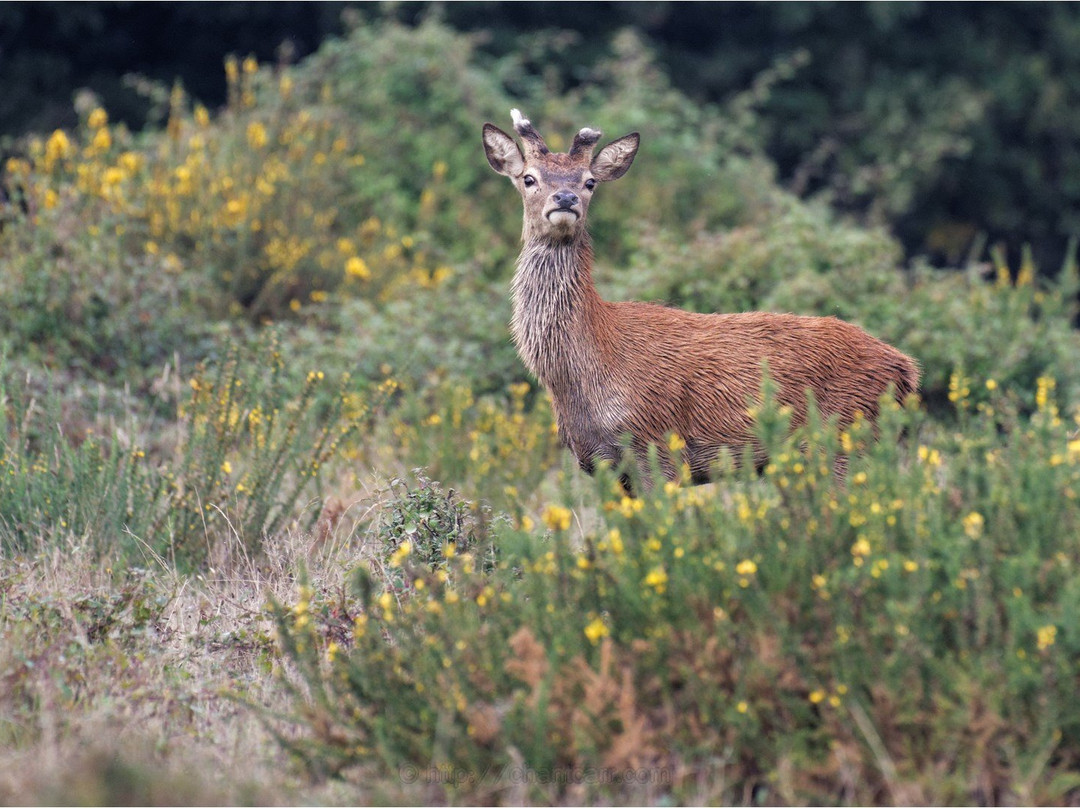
[(902, 637)]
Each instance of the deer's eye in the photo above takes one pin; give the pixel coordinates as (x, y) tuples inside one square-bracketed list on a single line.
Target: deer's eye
[(590, 183), (529, 180)]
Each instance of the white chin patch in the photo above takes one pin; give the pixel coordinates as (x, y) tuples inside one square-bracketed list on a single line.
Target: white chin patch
[(562, 218)]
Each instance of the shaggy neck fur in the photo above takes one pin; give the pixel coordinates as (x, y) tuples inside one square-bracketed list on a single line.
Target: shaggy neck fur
[(557, 322)]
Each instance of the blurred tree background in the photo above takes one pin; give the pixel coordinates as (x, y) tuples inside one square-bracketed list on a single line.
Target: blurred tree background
[(955, 125)]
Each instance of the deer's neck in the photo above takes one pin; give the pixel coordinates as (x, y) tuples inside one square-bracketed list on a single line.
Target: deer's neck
[(558, 317)]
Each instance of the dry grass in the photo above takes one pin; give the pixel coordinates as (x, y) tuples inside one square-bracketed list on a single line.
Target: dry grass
[(118, 689)]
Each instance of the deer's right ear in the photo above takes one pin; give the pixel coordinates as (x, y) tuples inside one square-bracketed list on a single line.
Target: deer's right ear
[(502, 152)]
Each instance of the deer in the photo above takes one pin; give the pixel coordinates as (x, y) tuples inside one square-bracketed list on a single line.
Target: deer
[(649, 371)]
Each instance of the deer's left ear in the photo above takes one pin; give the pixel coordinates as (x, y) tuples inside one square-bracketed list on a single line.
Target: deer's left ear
[(614, 160), (502, 152)]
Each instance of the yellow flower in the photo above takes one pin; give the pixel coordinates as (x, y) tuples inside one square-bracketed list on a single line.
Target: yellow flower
[(929, 456), (675, 443), (556, 517), (250, 65), (816, 696), (1044, 388), (57, 147), (973, 525), (628, 506), (256, 135), (595, 630), (746, 567), (657, 579), (861, 547), (400, 554), (131, 162), (226, 467), (1045, 636), (102, 140), (615, 541), (355, 267), (360, 626), (235, 207)]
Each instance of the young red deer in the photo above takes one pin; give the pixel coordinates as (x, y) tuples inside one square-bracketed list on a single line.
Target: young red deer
[(647, 370)]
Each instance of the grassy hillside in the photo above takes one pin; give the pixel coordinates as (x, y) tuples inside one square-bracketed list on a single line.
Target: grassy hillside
[(275, 487)]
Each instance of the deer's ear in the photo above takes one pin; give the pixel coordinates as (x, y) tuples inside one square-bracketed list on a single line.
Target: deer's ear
[(614, 160), (502, 152)]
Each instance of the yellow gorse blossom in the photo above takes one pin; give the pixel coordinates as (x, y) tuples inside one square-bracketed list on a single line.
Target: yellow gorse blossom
[(102, 141), (557, 517), (596, 630), (57, 148), (746, 567), (657, 578), (400, 554), (973, 525), (256, 135), (355, 267), (615, 542)]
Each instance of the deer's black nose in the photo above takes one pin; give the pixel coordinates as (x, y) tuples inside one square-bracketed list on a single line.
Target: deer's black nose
[(565, 199)]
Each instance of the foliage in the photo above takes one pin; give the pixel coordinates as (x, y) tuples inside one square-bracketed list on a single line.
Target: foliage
[(932, 591), (469, 601), (425, 526), (247, 450), (939, 121), (251, 449)]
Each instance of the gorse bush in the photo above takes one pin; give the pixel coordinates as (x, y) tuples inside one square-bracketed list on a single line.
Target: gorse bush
[(247, 451), (303, 200), (779, 639), (250, 449)]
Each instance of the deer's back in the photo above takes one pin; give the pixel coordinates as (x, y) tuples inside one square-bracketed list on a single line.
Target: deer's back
[(696, 374)]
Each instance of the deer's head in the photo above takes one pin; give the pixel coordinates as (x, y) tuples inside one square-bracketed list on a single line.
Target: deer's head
[(556, 188)]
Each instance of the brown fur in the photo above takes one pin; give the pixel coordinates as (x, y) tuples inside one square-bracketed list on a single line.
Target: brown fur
[(647, 370)]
